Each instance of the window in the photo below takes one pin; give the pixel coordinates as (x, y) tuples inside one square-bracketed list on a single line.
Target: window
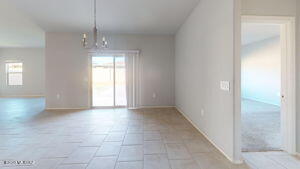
[(14, 74)]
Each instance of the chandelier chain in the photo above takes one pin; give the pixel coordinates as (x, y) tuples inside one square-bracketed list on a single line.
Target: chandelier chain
[(95, 13), (95, 45)]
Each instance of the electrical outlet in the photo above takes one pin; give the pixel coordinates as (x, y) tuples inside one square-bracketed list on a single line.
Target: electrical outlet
[(154, 95), (202, 112), (225, 85)]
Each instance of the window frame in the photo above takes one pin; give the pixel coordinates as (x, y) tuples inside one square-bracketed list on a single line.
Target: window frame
[(8, 73)]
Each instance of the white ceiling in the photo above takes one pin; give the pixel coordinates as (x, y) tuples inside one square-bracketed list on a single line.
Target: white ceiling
[(254, 32), (116, 16), (23, 22), (18, 30), (130, 16)]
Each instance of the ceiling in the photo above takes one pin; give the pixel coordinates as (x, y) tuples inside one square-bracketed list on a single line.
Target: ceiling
[(254, 32), (130, 16), (25, 24), (17, 29)]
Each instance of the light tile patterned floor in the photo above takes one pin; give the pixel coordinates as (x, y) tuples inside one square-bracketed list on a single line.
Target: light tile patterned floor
[(111, 139), (103, 139)]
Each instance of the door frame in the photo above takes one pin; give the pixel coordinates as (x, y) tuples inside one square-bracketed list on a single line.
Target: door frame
[(288, 111), (99, 54)]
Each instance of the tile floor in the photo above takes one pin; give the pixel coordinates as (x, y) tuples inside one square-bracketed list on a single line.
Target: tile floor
[(111, 139), (103, 139)]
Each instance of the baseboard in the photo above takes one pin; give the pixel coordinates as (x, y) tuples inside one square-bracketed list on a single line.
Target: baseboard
[(87, 108), (153, 107), (80, 108), (229, 158), (21, 96), (257, 100)]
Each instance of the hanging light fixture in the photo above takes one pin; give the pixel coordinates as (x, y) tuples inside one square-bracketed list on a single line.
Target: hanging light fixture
[(95, 45)]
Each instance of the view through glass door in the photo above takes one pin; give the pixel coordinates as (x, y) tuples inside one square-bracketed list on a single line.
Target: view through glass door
[(109, 81)]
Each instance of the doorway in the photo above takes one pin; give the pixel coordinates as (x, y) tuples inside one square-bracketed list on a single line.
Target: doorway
[(109, 81), (261, 86), (286, 96)]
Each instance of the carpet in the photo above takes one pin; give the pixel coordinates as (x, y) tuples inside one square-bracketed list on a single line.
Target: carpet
[(260, 126)]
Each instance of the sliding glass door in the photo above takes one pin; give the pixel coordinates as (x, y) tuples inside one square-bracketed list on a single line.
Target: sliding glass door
[(109, 81), (120, 81)]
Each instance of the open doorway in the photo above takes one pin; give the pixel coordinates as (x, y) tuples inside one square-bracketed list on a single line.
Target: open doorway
[(267, 81), (108, 81), (261, 87)]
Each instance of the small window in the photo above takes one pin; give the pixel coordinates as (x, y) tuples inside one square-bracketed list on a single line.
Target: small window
[(14, 74)]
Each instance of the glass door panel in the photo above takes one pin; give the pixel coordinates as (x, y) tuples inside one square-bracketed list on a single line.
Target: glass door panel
[(103, 81), (120, 82), (109, 81)]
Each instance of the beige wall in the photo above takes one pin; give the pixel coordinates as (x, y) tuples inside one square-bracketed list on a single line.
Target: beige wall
[(33, 71), (204, 57), (67, 68), (279, 8)]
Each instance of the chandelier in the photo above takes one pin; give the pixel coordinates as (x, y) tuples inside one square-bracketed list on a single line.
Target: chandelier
[(95, 45)]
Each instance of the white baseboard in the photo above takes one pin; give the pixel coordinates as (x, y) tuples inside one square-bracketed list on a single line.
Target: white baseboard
[(86, 108), (153, 107), (229, 158), (21, 96), (80, 108), (262, 101)]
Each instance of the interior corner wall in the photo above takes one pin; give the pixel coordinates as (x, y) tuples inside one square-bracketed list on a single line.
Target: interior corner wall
[(33, 60), (204, 56), (67, 68), (280, 8)]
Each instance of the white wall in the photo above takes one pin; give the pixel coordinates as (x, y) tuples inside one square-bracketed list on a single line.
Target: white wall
[(67, 68), (261, 71), (204, 57), (33, 71), (279, 8), (298, 76)]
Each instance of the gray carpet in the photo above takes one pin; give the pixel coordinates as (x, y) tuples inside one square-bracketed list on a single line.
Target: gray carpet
[(260, 126)]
